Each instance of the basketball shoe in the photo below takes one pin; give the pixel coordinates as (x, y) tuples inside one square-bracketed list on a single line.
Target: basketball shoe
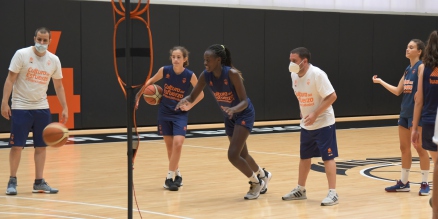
[(331, 199), (170, 185), (43, 187), (254, 190), (295, 194), (266, 179), (424, 189), (12, 187), (178, 181), (399, 187)]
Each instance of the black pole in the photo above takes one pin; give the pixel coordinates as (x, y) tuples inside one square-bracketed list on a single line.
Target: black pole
[(129, 101)]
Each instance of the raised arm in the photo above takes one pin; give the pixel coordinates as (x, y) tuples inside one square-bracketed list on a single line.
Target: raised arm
[(395, 90)]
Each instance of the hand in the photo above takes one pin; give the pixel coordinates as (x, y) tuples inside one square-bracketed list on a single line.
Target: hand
[(376, 80), (64, 116), (228, 110), (182, 104), (309, 119), (186, 107), (415, 138), (6, 111)]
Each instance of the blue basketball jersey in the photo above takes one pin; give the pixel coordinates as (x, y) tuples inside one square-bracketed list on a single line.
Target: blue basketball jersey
[(409, 89), (224, 91), (175, 87), (430, 95)]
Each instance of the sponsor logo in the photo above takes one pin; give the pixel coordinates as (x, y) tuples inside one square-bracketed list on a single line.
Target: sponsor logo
[(184, 80), (225, 81)]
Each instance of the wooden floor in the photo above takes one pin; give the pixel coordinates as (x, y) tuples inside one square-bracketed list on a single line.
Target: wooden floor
[(92, 180)]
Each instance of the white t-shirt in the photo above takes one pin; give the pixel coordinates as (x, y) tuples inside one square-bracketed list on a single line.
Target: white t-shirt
[(34, 73), (310, 90)]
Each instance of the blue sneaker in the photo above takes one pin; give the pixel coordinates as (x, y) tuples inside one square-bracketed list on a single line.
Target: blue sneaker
[(424, 189), (399, 187)]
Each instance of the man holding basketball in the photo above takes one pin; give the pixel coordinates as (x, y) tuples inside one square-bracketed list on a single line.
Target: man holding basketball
[(318, 131), (29, 75)]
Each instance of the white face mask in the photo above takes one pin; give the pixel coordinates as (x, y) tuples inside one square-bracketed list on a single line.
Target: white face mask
[(294, 68), (41, 48)]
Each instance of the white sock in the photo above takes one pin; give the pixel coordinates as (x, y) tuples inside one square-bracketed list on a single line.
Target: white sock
[(253, 178), (404, 175), (424, 175), (170, 174), (332, 190), (302, 188), (178, 173), (261, 172)]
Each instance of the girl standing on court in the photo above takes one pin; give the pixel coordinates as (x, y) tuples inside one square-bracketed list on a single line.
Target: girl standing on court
[(226, 84), (408, 86), (172, 124), (426, 103)]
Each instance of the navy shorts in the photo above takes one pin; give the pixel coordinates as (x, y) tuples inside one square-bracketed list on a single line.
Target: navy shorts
[(24, 121), (173, 128), (319, 143), (427, 135), (245, 118), (406, 122)]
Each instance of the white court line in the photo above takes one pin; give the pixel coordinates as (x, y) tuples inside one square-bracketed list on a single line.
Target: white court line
[(95, 205), (45, 209), (34, 214), (385, 165)]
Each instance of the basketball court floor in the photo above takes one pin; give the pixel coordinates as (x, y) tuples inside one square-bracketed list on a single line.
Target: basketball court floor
[(91, 174)]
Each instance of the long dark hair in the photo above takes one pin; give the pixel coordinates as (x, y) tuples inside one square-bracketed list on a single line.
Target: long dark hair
[(225, 55), (430, 58)]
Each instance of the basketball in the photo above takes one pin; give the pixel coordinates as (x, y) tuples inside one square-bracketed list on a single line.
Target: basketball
[(152, 94), (55, 134)]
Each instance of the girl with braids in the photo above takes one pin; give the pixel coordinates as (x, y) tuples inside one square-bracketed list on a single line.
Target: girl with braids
[(408, 86), (426, 103), (226, 84), (172, 125)]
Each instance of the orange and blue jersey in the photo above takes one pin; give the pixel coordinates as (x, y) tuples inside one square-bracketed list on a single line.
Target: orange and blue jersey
[(225, 94), (430, 95), (223, 90), (175, 87), (409, 90)]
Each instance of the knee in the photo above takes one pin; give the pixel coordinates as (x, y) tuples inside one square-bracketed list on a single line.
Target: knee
[(233, 156)]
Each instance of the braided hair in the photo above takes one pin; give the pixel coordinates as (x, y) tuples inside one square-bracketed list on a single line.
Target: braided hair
[(225, 55)]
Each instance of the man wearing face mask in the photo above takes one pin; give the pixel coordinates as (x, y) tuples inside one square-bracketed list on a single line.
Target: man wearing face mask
[(29, 75), (318, 131)]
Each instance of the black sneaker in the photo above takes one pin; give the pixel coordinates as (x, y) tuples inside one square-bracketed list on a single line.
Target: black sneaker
[(178, 181), (170, 185)]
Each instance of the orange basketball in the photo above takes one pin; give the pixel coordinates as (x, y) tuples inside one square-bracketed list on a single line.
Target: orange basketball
[(152, 94), (55, 134)]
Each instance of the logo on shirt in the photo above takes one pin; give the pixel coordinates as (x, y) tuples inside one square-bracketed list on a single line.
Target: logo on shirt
[(31, 60), (413, 71), (49, 62), (225, 81), (167, 76), (184, 80), (434, 77), (211, 84), (295, 83), (308, 81)]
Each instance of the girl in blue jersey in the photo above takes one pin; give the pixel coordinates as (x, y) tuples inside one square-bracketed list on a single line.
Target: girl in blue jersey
[(226, 84), (408, 86), (426, 103), (172, 124)]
